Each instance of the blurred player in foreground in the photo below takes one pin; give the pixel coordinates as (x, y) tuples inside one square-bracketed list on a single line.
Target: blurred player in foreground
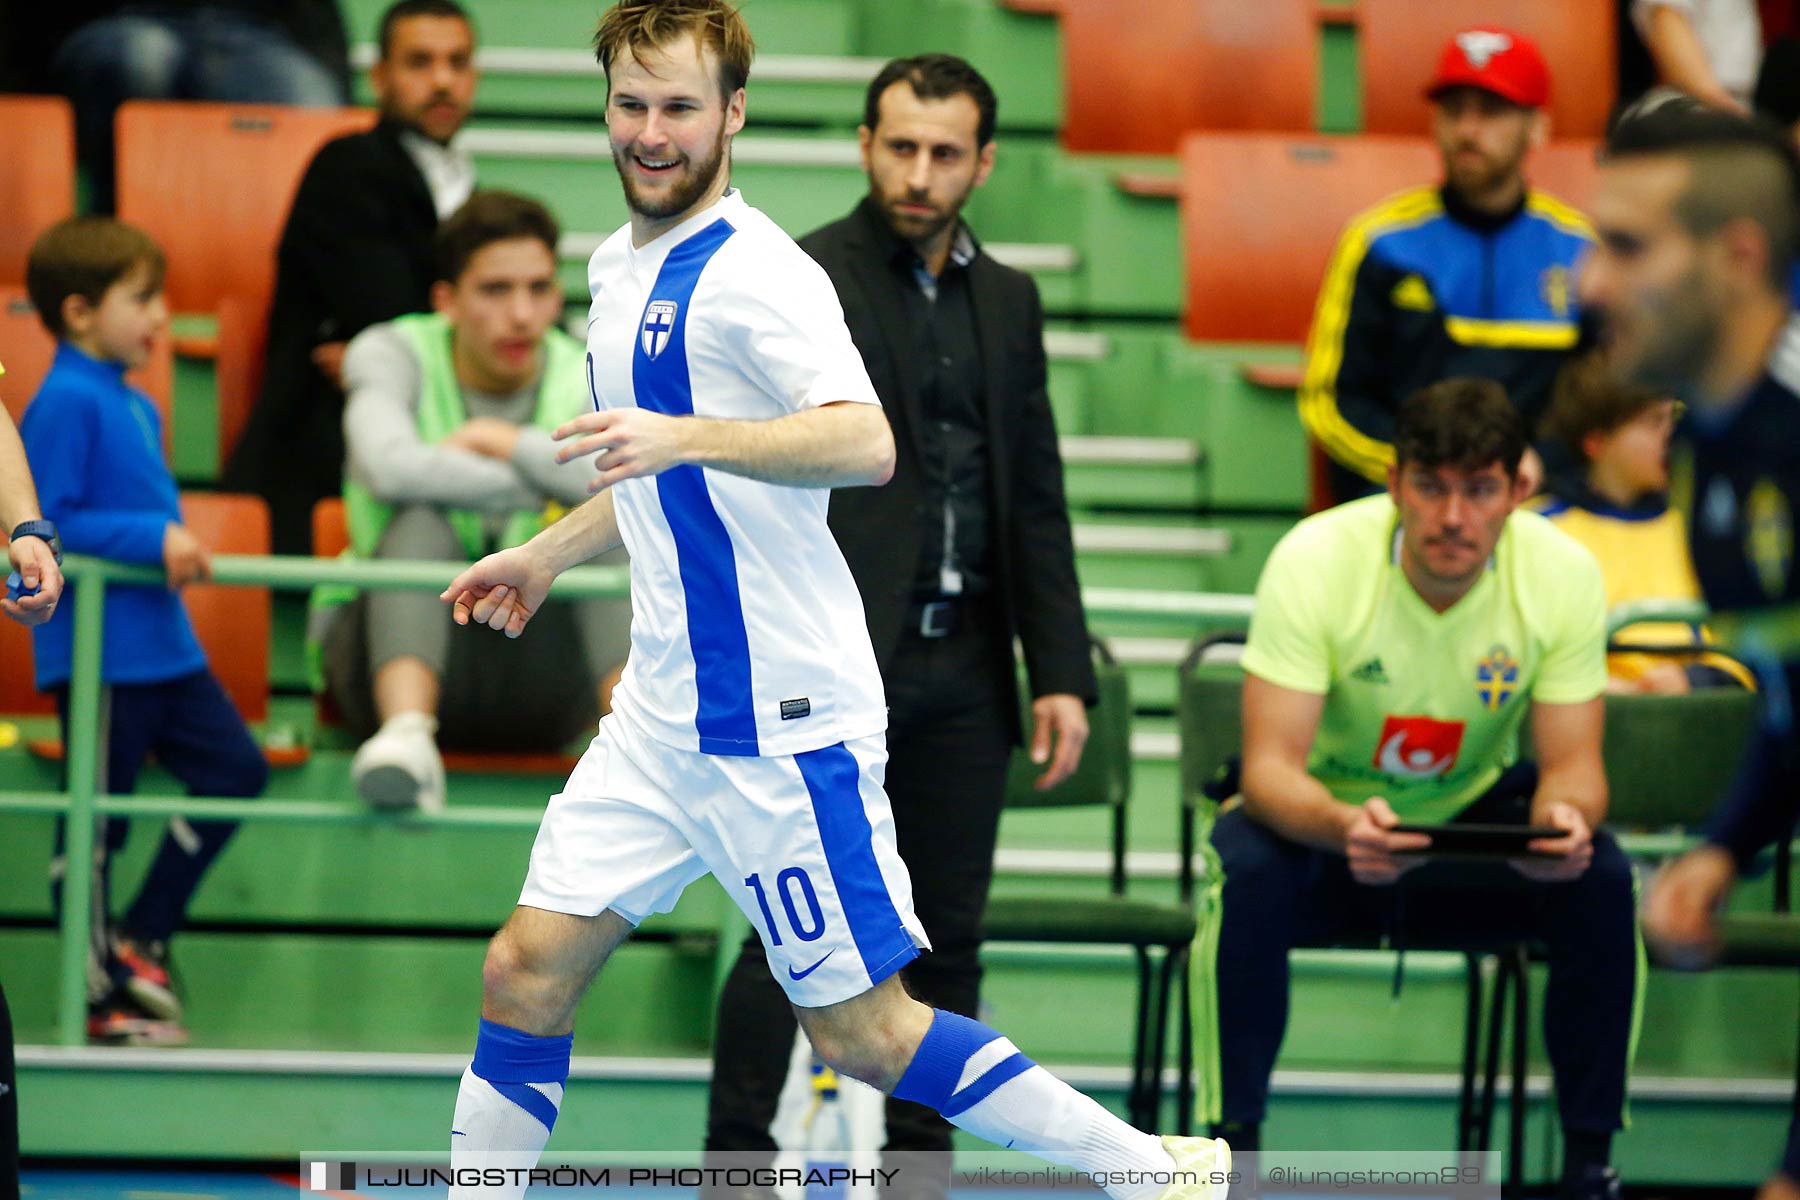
[(1697, 221)]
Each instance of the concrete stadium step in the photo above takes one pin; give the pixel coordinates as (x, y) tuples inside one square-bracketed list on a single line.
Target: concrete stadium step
[(535, 59), (1213, 552), (1037, 196), (246, 1105)]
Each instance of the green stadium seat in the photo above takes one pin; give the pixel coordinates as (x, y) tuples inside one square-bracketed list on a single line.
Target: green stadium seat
[(1244, 442), (1660, 774), (1018, 52), (1103, 780), (1211, 720)]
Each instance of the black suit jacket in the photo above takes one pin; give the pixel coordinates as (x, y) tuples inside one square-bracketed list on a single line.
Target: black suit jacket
[(356, 251), (880, 529)]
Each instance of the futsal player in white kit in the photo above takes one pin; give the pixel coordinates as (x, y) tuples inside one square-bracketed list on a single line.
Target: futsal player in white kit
[(747, 735)]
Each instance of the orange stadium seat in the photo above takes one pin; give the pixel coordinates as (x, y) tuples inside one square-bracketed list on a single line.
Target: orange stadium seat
[(37, 187), (1135, 86), (26, 350), (212, 183), (19, 696), (232, 622), (1260, 214), (1399, 42), (1568, 169)]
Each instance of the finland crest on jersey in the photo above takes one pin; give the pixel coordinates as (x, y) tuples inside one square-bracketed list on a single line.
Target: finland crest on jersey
[(659, 322)]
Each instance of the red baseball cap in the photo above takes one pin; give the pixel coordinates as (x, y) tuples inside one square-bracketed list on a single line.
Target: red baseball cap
[(1496, 60)]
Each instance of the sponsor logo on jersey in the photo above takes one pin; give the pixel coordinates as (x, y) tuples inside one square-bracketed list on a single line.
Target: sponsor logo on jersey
[(659, 323), (1412, 293), (1370, 672), (1496, 678), (1769, 536), (1418, 747)]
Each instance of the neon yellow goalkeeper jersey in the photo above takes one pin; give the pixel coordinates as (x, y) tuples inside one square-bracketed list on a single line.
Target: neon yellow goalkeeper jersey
[(1424, 708)]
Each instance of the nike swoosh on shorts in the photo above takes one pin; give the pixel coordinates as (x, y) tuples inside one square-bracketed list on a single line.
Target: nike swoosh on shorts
[(799, 975)]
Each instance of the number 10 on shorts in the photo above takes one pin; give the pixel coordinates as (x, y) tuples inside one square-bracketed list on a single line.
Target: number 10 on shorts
[(790, 881)]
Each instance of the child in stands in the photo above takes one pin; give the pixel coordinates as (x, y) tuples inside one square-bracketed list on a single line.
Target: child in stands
[(95, 447), (1614, 500)]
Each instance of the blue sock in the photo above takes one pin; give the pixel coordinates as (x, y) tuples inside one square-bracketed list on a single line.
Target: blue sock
[(981, 1082), (953, 1046)]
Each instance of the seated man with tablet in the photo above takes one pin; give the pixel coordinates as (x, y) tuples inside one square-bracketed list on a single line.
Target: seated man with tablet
[(1398, 645)]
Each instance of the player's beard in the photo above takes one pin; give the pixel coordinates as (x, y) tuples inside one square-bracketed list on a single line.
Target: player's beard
[(686, 192), (1676, 336)]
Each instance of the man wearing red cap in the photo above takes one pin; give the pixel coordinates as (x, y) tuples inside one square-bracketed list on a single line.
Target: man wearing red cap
[(1468, 278)]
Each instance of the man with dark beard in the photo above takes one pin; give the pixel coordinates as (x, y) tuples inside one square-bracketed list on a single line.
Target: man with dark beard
[(1473, 277), (1698, 229), (967, 547), (357, 251)]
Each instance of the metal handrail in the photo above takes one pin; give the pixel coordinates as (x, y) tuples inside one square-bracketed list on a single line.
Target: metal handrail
[(86, 797)]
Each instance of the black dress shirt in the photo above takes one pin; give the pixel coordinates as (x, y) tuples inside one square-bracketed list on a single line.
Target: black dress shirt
[(954, 485)]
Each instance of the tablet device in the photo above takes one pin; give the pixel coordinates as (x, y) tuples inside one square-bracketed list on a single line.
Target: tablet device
[(1480, 841)]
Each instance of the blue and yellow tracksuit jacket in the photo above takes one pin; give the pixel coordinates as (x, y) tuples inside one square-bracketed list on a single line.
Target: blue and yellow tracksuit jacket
[(1422, 288)]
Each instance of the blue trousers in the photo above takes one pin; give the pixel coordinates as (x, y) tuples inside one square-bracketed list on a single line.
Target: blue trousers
[(1279, 894), (189, 724)]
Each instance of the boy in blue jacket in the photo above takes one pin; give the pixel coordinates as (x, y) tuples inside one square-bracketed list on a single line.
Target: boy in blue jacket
[(95, 447)]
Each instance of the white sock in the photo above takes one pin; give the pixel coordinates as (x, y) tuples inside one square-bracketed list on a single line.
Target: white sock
[(506, 1107), (981, 1082)]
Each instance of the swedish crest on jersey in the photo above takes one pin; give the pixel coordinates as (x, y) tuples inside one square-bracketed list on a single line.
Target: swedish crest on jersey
[(1496, 678), (659, 323)]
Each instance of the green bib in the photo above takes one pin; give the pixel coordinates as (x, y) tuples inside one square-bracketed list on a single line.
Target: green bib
[(441, 412), (562, 394)]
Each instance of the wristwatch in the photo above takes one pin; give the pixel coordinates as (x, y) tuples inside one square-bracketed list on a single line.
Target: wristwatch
[(43, 529)]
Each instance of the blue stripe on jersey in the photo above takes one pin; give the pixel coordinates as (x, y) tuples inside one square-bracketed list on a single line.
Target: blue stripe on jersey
[(832, 779), (725, 717)]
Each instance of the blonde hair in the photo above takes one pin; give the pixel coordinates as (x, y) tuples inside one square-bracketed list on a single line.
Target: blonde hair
[(639, 25)]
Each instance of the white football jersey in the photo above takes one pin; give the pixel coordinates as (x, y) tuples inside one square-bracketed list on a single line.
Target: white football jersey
[(747, 631)]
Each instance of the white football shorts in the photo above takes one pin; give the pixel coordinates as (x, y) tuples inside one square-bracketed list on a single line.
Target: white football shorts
[(804, 843)]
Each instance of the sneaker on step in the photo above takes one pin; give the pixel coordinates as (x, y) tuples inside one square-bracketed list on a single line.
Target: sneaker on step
[(121, 1021), (145, 967), (1207, 1160), (400, 766), (1595, 1183)]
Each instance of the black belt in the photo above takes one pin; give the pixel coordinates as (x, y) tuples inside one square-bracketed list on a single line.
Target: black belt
[(939, 618)]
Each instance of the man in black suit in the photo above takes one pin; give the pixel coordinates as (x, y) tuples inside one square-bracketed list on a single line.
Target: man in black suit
[(357, 251), (965, 549)]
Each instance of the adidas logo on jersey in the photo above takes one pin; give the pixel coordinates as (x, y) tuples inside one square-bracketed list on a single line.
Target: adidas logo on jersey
[(1412, 293), (1370, 672)]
